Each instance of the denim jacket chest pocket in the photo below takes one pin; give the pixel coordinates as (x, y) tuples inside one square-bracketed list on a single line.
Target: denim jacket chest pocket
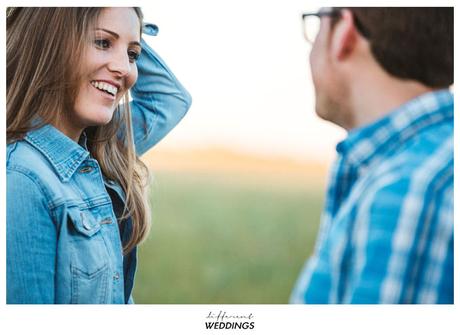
[(89, 256)]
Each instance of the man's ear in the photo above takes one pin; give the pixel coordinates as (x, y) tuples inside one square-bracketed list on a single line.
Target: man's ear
[(345, 36)]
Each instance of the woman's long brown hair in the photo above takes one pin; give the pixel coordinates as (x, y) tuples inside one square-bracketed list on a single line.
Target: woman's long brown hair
[(44, 50)]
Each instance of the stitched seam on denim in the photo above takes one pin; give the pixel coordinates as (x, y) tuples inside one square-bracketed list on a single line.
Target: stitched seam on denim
[(154, 119), (37, 145), (74, 286), (101, 274), (58, 165), (10, 149), (71, 170)]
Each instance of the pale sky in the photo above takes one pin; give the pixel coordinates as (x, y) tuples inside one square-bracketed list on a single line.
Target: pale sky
[(246, 65)]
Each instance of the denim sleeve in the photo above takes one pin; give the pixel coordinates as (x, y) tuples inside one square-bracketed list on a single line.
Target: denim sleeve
[(159, 100), (31, 242)]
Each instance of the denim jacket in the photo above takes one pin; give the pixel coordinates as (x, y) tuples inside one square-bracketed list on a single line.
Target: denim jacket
[(63, 241)]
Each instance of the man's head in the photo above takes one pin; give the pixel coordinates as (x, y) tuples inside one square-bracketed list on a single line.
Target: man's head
[(359, 49)]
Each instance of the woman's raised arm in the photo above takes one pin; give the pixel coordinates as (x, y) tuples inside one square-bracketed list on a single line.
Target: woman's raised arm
[(159, 99)]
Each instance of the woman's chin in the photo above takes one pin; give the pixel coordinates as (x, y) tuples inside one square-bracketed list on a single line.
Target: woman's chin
[(101, 119)]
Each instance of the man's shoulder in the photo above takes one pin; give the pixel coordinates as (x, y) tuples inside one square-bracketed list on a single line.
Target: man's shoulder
[(428, 141), (419, 169)]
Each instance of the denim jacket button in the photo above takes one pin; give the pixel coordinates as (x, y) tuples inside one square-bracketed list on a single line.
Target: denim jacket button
[(150, 29), (85, 223), (116, 276)]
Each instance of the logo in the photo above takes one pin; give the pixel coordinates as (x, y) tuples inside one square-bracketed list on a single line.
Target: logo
[(224, 320)]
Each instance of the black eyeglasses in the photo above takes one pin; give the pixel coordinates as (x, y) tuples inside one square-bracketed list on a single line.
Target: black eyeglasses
[(312, 22)]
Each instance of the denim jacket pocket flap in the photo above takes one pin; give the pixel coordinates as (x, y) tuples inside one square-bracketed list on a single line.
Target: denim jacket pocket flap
[(83, 222)]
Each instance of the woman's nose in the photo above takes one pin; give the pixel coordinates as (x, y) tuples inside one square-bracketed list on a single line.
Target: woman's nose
[(120, 64)]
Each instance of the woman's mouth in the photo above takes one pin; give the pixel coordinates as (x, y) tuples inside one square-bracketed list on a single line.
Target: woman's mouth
[(108, 90)]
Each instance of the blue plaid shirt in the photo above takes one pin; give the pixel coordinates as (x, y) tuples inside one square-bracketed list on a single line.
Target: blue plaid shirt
[(386, 234)]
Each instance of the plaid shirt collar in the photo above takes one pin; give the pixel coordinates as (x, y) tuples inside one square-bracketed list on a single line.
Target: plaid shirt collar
[(364, 145)]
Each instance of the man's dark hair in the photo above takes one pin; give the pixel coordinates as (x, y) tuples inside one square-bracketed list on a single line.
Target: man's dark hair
[(411, 42)]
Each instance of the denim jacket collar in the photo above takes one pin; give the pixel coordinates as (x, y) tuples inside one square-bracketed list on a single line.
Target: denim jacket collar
[(64, 154)]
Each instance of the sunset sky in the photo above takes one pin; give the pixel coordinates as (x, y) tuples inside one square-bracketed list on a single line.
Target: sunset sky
[(246, 65)]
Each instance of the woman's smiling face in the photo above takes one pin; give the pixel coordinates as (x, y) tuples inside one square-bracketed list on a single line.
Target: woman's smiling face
[(109, 67)]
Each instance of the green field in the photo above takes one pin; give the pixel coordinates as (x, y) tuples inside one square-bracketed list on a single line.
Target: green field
[(220, 239)]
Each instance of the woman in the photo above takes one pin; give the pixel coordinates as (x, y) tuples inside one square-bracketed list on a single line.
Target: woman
[(76, 206)]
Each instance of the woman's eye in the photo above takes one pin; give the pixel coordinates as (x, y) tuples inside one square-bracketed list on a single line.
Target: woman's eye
[(133, 55), (102, 43)]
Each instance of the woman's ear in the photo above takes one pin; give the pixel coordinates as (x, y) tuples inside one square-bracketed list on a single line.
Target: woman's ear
[(344, 36)]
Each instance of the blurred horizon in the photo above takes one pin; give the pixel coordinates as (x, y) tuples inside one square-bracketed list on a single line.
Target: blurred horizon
[(228, 227), (232, 161)]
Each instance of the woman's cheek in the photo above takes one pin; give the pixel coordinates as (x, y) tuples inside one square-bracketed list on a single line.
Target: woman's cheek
[(133, 77)]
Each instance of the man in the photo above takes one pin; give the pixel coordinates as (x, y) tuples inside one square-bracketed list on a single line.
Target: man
[(386, 234)]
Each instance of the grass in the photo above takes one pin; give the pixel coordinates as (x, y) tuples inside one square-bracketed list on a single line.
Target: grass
[(226, 238)]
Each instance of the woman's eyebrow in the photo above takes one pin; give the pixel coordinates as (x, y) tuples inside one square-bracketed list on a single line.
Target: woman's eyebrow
[(114, 34)]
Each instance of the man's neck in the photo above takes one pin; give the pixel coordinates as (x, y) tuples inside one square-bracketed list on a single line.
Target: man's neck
[(373, 100)]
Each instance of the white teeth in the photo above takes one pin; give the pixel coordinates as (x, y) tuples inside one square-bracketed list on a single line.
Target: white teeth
[(105, 86)]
